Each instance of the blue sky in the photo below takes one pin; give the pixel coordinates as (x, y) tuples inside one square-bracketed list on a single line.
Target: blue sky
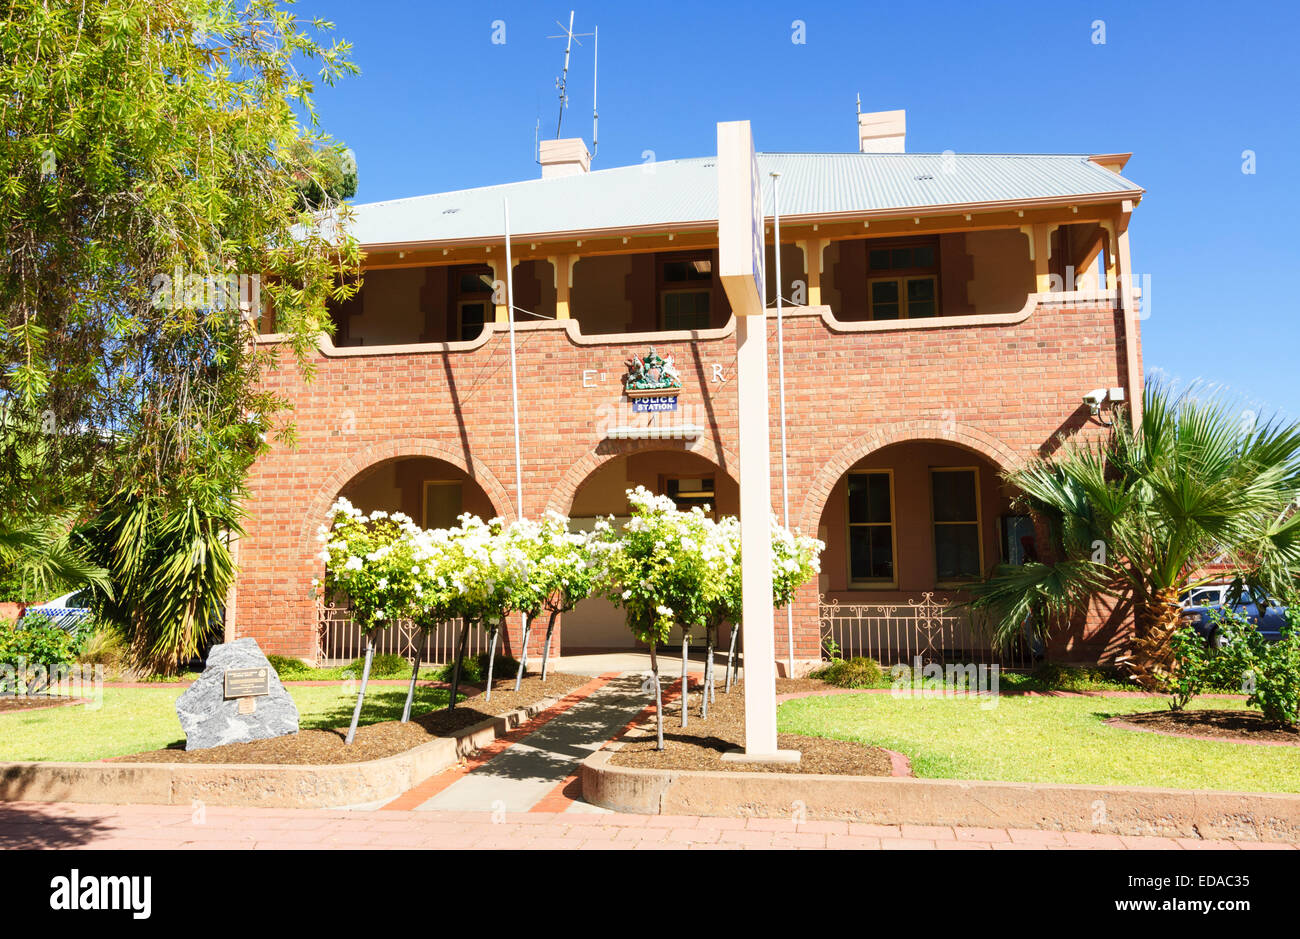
[(1186, 87)]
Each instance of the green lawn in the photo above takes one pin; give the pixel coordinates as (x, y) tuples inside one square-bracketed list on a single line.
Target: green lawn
[(133, 720), (1043, 739)]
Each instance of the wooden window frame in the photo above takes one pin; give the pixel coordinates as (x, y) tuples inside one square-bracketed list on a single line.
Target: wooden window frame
[(663, 287), (903, 275), (424, 496), (978, 523), (461, 303), (713, 482), (849, 525)]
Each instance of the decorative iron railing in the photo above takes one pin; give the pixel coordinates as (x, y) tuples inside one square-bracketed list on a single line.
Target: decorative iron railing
[(931, 629), (339, 641)]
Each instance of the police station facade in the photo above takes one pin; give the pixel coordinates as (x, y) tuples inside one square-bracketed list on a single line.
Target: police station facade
[(944, 317)]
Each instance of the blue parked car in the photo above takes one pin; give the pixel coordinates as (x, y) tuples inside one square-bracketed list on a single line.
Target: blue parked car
[(1201, 605)]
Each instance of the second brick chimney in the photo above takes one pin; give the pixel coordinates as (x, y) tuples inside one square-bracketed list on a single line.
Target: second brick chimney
[(567, 157)]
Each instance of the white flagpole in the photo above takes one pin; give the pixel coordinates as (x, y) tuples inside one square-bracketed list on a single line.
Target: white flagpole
[(780, 381), (514, 375), (514, 396)]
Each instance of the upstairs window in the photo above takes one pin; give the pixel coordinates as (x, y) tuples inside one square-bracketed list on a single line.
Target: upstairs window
[(685, 292), (903, 280), (473, 301)]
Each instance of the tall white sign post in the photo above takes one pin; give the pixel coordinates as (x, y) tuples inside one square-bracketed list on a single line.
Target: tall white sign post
[(741, 267)]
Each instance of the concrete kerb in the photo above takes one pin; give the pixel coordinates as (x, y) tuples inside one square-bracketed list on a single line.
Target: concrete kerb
[(270, 786), (891, 800)]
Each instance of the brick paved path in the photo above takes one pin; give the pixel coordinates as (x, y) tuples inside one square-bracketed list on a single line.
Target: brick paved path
[(526, 788), (60, 825)]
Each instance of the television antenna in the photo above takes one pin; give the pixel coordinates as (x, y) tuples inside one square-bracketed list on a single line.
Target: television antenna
[(562, 83)]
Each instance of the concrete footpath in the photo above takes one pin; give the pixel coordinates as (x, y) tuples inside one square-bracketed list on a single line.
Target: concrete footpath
[(539, 767), (117, 827)]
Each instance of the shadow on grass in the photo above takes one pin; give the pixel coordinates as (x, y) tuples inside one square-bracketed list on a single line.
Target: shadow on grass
[(381, 704)]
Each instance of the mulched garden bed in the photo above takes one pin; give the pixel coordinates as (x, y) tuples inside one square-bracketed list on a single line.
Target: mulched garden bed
[(11, 704), (1227, 725), (701, 744), (373, 741)]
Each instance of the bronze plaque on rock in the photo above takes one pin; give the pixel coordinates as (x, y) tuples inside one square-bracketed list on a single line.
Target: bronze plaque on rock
[(247, 682)]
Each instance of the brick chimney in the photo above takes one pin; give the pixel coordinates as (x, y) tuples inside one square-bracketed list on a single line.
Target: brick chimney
[(882, 132), (567, 157)]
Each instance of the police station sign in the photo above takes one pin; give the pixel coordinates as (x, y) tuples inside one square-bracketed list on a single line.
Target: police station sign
[(652, 382)]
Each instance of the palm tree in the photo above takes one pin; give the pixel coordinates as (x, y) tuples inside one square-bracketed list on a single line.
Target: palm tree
[(169, 566), (1141, 516), (39, 554)]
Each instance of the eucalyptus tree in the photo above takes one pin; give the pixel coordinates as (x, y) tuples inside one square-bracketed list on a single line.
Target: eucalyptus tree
[(1150, 512), (151, 219)]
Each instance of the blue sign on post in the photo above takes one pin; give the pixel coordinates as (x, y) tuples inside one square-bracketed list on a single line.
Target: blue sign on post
[(662, 403)]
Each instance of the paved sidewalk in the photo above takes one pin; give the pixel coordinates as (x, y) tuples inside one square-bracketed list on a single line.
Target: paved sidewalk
[(530, 770), (62, 825)]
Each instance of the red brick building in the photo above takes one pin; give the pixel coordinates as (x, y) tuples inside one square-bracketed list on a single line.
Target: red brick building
[(945, 316)]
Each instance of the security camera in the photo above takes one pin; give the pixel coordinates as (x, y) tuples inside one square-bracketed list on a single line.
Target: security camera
[(1094, 399)]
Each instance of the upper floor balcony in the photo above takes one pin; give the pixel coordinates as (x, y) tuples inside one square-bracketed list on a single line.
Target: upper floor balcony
[(881, 241), (974, 277)]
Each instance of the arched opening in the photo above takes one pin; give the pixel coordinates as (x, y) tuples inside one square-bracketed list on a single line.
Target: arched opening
[(907, 528), (434, 493), (431, 491), (596, 625)]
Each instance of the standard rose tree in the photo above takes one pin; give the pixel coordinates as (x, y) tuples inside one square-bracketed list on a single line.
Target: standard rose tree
[(368, 559), (651, 570), (487, 572), (796, 559), (562, 573)]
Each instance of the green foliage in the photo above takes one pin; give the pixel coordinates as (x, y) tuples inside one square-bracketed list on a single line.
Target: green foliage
[(1054, 676), (289, 668), (475, 668), (106, 646), (1197, 665), (39, 560), (1268, 672), (143, 142), (387, 665), (325, 176), (668, 567), (169, 566), (37, 644), (150, 162), (1136, 515), (654, 567), (857, 672)]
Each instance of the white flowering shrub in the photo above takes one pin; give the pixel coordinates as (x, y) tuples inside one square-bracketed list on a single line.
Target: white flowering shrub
[(562, 567), (654, 568), (369, 559)]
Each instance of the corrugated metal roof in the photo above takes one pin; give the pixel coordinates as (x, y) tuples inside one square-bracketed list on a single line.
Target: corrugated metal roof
[(684, 193)]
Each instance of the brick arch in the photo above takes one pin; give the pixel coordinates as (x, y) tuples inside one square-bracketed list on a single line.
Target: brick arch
[(561, 498), (961, 435), (395, 449)]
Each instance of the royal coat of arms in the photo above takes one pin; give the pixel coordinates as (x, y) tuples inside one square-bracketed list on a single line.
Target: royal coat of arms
[(652, 376)]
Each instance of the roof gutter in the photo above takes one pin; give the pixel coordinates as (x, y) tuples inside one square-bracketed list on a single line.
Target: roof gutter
[(930, 211)]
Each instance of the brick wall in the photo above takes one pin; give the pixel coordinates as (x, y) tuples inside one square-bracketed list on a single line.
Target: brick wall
[(1004, 391)]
